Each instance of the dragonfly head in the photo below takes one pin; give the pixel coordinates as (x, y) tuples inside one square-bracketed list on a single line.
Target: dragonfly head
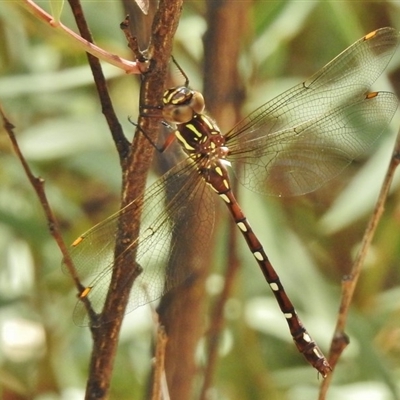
[(180, 104)]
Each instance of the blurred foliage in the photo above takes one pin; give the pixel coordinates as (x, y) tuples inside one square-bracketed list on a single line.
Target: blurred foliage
[(47, 91)]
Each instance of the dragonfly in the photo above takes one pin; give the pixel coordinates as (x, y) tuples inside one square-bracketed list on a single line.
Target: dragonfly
[(291, 145)]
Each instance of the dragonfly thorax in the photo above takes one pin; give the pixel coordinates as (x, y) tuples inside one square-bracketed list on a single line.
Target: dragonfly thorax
[(201, 137), (181, 104)]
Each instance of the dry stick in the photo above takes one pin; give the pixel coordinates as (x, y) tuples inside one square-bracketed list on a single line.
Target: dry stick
[(130, 67), (133, 44), (120, 141), (340, 339), (38, 185)]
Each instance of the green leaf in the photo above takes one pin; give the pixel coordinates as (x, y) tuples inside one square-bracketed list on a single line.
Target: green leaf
[(56, 9)]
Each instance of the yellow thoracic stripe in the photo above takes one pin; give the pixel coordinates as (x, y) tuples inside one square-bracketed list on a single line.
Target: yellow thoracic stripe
[(185, 144)]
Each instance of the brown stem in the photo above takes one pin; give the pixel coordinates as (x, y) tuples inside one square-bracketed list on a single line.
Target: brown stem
[(340, 340), (38, 185), (120, 141)]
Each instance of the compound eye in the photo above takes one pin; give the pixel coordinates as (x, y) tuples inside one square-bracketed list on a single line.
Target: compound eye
[(178, 114), (197, 102), (178, 96), (181, 104)]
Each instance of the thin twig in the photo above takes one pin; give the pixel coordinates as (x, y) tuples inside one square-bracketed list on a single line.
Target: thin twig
[(38, 185), (340, 340), (117, 133), (143, 62), (130, 67)]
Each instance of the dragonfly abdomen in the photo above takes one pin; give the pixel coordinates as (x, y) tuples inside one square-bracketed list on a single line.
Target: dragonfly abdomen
[(303, 340)]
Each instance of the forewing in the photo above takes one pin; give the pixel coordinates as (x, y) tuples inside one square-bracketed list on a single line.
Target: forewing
[(301, 159), (266, 141), (346, 77)]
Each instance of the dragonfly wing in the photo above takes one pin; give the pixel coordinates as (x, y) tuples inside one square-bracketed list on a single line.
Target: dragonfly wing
[(169, 206), (346, 78), (301, 159)]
